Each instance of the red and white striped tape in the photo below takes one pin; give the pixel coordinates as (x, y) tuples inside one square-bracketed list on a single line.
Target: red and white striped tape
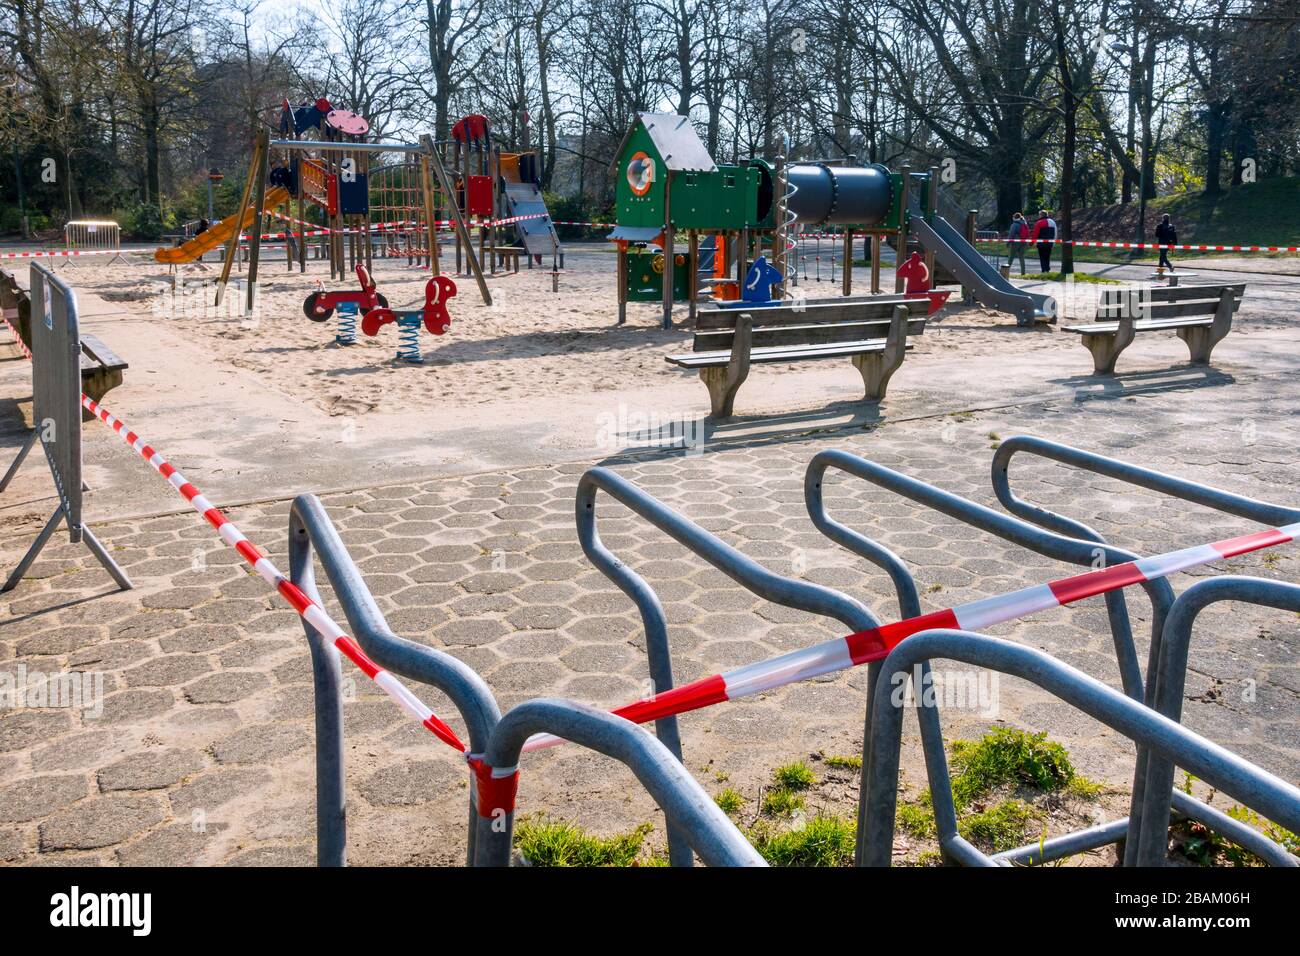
[(311, 612), (1147, 245), (876, 643), (65, 253)]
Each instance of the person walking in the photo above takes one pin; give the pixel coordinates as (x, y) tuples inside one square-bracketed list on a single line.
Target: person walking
[(1017, 236), (1043, 235), (1167, 236)]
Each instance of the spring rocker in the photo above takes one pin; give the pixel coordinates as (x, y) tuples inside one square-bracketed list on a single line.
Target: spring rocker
[(320, 305), (434, 315), (915, 276)]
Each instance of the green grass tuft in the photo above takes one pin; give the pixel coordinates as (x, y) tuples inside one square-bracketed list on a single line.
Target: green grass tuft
[(1000, 827), (1082, 277), (1006, 755), (729, 800), (544, 842), (781, 802), (794, 776), (822, 841), (844, 763)]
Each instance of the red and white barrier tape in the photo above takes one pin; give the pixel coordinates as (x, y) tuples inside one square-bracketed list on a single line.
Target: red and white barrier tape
[(1146, 245), (66, 253), (310, 611), (875, 644)]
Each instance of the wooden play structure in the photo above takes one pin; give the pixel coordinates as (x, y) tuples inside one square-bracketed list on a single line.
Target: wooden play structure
[(322, 161), (667, 183)]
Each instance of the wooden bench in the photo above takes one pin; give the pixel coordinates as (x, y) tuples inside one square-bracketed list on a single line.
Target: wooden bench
[(101, 367), (873, 335), (1201, 315)]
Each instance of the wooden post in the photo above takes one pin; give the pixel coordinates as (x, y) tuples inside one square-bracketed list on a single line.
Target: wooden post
[(876, 239), (693, 279), (621, 278), (900, 252), (931, 207), (255, 233), (848, 262), (430, 216), (968, 297), (667, 321), (260, 145)]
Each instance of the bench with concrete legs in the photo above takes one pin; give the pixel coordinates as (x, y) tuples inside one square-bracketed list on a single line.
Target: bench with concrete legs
[(1201, 315), (872, 335)]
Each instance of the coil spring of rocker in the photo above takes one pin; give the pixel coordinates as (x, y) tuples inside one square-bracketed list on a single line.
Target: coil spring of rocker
[(345, 332), (408, 338)]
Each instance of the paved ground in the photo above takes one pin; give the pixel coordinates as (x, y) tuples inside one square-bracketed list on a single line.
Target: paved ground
[(203, 751)]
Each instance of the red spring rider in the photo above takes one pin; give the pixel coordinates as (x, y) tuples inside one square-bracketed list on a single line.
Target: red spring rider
[(320, 305), (917, 282), (435, 315)]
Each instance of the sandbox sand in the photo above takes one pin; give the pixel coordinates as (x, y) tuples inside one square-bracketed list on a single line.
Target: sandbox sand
[(531, 344)]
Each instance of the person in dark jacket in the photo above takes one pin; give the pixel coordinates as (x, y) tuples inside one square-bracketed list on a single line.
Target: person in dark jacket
[(1166, 235), (1043, 235), (1017, 236)]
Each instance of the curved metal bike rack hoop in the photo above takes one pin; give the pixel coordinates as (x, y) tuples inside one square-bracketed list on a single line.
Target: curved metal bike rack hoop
[(690, 812), (1045, 542), (1250, 785), (749, 574), (1170, 682), (1240, 506)]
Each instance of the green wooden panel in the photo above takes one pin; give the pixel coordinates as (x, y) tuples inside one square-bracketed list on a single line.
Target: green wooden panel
[(634, 210)]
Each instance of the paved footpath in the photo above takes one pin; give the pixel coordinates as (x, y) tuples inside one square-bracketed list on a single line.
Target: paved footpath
[(203, 751)]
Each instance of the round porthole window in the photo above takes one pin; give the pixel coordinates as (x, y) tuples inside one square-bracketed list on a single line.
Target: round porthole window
[(640, 173)]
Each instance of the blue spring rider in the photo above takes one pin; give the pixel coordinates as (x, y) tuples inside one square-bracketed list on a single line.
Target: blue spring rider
[(757, 290)]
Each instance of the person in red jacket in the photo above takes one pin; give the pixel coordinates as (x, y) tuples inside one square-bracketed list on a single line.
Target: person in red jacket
[(1042, 236), (914, 273)]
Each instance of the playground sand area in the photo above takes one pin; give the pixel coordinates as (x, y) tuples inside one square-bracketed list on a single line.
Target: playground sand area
[(521, 348)]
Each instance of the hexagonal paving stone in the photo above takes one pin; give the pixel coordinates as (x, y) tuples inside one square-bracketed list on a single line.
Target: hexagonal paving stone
[(151, 770), (34, 797), (412, 782), (100, 822)]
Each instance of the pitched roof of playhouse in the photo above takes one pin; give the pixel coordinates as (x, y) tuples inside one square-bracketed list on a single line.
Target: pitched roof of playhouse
[(676, 141)]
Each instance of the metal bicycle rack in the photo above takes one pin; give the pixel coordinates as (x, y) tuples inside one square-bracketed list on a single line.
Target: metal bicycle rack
[(1264, 512), (749, 574), (1157, 734), (693, 816), (1074, 542)]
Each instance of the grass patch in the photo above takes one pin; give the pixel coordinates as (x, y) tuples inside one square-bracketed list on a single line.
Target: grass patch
[(1001, 827), (822, 841), (1006, 755), (794, 776), (545, 842), (1206, 847), (1083, 277), (843, 763), (729, 800), (780, 802), (1003, 757)]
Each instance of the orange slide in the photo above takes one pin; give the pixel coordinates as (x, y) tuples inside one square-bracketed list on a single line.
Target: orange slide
[(218, 233)]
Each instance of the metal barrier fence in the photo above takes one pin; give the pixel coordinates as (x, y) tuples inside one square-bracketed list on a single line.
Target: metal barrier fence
[(93, 235), (56, 416), (495, 741)]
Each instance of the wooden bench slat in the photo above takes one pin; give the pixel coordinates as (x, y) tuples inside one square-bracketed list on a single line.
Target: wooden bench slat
[(819, 334), (1164, 310), (1181, 293), (809, 314), (783, 353), (1142, 325)]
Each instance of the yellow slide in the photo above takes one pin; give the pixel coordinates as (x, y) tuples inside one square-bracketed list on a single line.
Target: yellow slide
[(218, 233)]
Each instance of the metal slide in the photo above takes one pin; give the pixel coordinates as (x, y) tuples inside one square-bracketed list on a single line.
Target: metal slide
[(973, 271), (219, 232), (537, 236)]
